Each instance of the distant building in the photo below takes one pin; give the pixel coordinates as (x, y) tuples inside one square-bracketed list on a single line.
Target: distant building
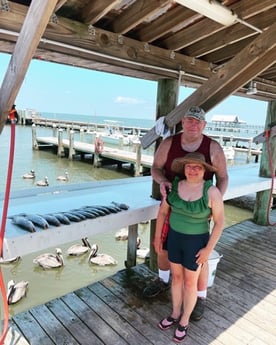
[(227, 120)]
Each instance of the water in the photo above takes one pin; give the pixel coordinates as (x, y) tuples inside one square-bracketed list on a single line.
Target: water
[(46, 285)]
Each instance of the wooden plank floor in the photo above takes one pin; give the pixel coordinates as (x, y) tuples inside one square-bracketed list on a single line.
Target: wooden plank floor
[(241, 306)]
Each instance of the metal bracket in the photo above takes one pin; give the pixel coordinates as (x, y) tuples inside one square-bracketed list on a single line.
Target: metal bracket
[(5, 5), (260, 138)]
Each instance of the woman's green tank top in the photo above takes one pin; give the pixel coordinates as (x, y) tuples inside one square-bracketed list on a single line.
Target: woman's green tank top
[(189, 217)]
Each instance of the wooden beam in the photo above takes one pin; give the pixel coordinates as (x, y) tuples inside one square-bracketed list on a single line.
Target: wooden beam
[(137, 13), (95, 10), (251, 61), (33, 27)]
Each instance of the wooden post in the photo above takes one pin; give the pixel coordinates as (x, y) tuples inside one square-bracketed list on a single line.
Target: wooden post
[(60, 152), (34, 140), (138, 160), (249, 151), (268, 159), (81, 134), (167, 97), (71, 145), (131, 245), (54, 130)]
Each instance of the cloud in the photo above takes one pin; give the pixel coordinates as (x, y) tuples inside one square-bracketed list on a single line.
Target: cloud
[(128, 100)]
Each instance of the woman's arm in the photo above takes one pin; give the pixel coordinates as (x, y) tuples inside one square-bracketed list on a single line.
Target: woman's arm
[(162, 213), (217, 206)]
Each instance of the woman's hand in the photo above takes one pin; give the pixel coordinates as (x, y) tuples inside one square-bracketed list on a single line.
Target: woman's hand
[(202, 256)]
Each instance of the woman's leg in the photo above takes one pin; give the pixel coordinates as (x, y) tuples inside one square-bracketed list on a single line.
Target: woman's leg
[(190, 294), (177, 289)]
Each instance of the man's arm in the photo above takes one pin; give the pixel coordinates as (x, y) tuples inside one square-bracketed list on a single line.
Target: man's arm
[(219, 161), (160, 157)]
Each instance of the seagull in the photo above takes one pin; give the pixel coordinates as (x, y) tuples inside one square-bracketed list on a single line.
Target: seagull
[(79, 249), (49, 260), (64, 178), (16, 291), (29, 175), (43, 183), (100, 259)]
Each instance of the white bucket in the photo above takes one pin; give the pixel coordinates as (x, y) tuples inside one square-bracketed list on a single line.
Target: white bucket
[(213, 261)]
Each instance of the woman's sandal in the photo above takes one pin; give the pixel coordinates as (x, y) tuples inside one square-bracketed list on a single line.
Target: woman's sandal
[(180, 333), (167, 323)]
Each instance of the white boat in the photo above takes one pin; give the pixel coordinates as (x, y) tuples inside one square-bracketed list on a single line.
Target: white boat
[(229, 152), (113, 135)]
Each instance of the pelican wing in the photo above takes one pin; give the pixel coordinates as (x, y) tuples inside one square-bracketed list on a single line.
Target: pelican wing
[(77, 249), (103, 260)]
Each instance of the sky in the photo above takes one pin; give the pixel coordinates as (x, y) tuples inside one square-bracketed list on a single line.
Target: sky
[(56, 88)]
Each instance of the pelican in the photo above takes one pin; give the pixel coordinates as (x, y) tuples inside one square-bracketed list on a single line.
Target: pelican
[(100, 259), (16, 291), (43, 183), (79, 249), (122, 234), (64, 178), (10, 261), (29, 175), (141, 253), (49, 260)]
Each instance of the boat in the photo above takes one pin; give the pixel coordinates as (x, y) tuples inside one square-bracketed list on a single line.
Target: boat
[(229, 152), (113, 135), (29, 116)]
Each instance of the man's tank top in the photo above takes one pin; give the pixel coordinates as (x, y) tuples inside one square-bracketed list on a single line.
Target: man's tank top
[(177, 151)]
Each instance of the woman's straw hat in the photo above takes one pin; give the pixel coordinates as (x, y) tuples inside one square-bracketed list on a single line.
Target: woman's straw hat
[(192, 158)]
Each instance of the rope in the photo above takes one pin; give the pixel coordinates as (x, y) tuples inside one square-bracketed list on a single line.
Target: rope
[(2, 232)]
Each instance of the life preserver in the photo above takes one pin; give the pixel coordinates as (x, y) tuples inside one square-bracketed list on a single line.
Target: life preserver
[(99, 145)]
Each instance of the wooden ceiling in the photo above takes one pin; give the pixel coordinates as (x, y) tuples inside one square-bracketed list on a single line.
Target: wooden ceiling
[(147, 39)]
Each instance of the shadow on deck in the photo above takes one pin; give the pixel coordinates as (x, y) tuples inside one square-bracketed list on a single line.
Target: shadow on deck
[(241, 306)]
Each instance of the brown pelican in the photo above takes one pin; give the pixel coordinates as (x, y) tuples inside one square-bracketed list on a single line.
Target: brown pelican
[(29, 175), (79, 249), (122, 234), (64, 178), (49, 260), (100, 259), (141, 253), (10, 261), (16, 291), (43, 183)]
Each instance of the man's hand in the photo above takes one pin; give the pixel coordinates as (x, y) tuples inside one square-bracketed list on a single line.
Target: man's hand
[(165, 187)]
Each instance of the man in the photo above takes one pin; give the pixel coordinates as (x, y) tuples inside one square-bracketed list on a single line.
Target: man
[(191, 139)]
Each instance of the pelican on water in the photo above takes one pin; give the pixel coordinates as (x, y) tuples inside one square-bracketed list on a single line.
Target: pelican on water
[(43, 183), (141, 253), (10, 261), (29, 175), (63, 178), (49, 260), (100, 259), (78, 248), (16, 291)]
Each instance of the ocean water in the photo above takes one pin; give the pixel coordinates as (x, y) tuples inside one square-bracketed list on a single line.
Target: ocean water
[(77, 272)]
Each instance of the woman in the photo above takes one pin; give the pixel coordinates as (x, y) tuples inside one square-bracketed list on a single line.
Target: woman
[(192, 202)]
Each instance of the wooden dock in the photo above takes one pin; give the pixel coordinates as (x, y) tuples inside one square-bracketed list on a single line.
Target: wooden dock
[(241, 306)]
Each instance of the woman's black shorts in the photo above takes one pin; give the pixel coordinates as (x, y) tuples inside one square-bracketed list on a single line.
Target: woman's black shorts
[(182, 248)]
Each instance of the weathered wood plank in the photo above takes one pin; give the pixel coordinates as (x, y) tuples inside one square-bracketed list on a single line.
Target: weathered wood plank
[(52, 326), (69, 317)]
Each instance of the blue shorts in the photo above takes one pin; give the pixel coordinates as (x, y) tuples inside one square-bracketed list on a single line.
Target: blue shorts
[(182, 248)]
